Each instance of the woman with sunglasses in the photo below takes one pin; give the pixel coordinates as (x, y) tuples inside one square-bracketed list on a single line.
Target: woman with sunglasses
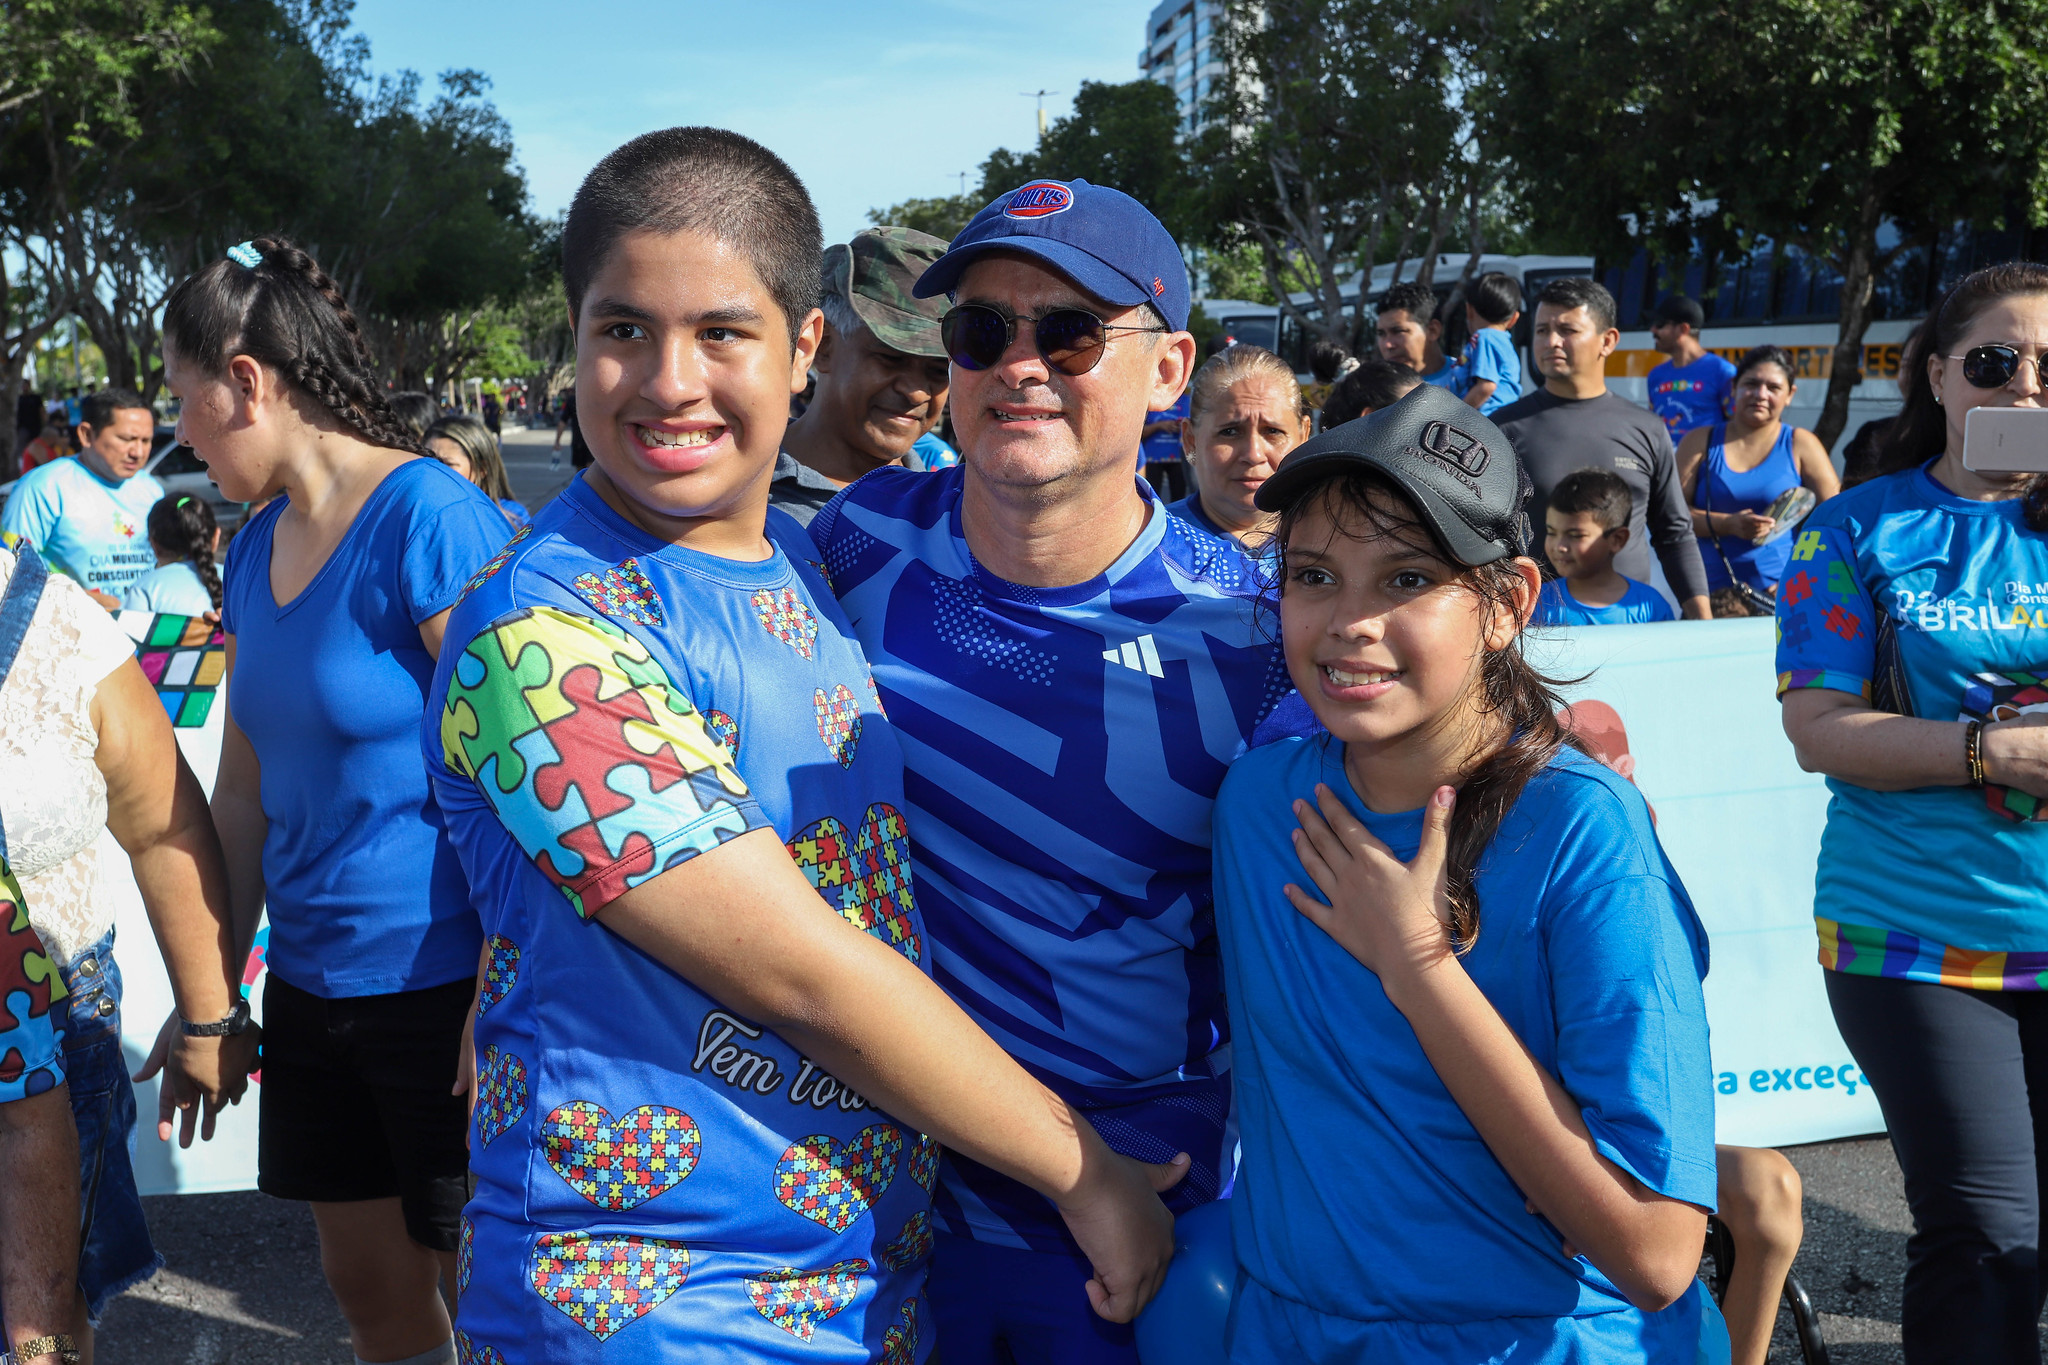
[(1734, 471), (1913, 619)]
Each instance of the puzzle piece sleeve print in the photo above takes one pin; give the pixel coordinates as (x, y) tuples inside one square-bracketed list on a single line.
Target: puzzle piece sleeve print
[(596, 761), (1827, 622)]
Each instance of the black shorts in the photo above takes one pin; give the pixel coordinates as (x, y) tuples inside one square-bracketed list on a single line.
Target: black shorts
[(355, 1102)]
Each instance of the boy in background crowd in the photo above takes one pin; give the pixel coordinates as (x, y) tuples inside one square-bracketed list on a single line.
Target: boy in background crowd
[(1584, 527)]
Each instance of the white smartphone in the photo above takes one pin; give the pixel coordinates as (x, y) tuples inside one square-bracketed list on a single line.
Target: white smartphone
[(2006, 440)]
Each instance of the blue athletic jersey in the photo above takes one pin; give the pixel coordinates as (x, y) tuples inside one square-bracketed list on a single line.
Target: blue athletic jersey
[(1555, 606), (1371, 1219), (92, 530), (609, 705), (1490, 354), (1919, 601), (1695, 395), (1063, 748)]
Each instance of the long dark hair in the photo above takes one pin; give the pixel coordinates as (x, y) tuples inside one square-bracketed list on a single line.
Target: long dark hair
[(1921, 431), (474, 439), (183, 525), (1366, 506), (286, 313)]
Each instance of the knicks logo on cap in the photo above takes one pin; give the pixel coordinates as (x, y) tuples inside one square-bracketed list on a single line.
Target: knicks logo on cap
[(1039, 199)]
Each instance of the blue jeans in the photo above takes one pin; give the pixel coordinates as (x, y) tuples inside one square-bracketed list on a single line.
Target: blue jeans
[(114, 1250)]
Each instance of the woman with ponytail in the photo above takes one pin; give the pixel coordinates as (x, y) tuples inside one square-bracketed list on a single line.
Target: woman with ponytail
[(334, 600), (1472, 1074), (185, 538), (1912, 625)]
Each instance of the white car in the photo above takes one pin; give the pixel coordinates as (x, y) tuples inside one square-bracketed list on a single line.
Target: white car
[(178, 469)]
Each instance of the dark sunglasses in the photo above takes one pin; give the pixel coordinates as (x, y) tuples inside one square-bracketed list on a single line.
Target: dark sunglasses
[(1992, 366), (1071, 340)]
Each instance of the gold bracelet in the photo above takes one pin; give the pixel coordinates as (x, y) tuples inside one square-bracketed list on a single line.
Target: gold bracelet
[(60, 1346), (1973, 751)]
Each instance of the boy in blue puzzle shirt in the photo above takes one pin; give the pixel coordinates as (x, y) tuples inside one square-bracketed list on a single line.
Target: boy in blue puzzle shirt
[(1491, 376), (708, 1107)]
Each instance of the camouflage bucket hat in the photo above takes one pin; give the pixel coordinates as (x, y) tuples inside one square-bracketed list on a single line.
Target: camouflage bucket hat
[(875, 272)]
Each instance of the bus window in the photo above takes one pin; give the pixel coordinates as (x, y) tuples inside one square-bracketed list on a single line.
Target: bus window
[(1257, 329)]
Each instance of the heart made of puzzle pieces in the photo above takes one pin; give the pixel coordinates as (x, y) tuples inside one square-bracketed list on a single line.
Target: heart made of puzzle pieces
[(838, 721), (899, 1343), (464, 1248), (834, 1183), (912, 1244), (501, 1094), (500, 974), (867, 879), (726, 731), (468, 1352), (620, 1163), (924, 1162), (798, 1300), (607, 1283), (787, 617)]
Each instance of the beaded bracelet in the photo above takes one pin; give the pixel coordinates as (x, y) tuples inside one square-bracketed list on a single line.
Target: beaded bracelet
[(1973, 751)]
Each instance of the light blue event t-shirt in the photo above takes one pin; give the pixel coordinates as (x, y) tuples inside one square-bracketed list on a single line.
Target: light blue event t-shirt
[(1555, 606), (1448, 376), (1695, 395), (1903, 594), (1490, 354), (658, 1176), (364, 892), (1063, 747), (1370, 1217), (170, 589), (88, 528)]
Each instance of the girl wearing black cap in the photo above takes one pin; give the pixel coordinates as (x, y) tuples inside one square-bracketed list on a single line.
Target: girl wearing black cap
[(1472, 1074)]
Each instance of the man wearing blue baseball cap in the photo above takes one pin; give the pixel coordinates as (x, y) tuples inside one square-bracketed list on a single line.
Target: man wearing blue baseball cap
[(1070, 671)]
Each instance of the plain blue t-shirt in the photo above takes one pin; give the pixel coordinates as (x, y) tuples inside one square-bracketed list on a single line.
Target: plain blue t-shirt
[(1490, 354), (84, 527), (1936, 606), (1695, 395), (1371, 1220), (1555, 606), (365, 894)]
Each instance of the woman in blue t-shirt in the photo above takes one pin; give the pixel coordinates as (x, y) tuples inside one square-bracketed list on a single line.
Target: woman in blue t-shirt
[(1913, 637), (1733, 471), (1472, 1078), (335, 598)]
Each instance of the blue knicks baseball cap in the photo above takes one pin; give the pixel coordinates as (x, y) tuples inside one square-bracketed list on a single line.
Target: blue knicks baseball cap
[(1100, 238)]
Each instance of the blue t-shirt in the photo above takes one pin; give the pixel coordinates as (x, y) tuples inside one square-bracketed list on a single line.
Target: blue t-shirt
[(173, 589), (364, 893), (1064, 747), (608, 706), (1165, 447), (1372, 1220), (1695, 395), (1490, 354), (92, 530), (1932, 884), (515, 512), (1555, 606), (928, 452)]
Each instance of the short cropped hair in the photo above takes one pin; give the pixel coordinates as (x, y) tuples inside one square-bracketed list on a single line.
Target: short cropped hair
[(98, 409), (1576, 291), (1412, 297), (704, 180), (1375, 384), (1598, 491), (1494, 296), (1682, 308)]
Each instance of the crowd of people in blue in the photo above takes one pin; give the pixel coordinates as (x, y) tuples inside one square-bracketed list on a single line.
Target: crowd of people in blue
[(794, 898)]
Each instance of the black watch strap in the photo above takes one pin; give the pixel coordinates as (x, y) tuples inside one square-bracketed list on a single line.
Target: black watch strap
[(236, 1020)]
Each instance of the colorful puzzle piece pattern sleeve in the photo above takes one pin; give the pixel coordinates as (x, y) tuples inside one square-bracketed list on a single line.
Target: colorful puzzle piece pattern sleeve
[(1827, 622), (593, 758), (31, 988)]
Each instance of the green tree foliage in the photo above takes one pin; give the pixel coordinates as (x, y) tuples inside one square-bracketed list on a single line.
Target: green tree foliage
[(942, 218), (1810, 122)]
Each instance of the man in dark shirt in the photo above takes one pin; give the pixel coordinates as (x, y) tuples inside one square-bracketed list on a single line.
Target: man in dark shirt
[(1573, 422)]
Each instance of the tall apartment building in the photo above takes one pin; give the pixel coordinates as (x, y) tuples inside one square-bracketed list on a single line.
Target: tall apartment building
[(1180, 55)]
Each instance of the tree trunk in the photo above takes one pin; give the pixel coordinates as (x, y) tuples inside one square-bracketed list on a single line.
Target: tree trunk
[(1859, 280), (1427, 273)]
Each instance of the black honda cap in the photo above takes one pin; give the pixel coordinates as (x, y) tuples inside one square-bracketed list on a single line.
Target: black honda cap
[(1456, 466)]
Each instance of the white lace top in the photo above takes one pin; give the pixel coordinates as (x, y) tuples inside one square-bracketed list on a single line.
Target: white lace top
[(52, 798)]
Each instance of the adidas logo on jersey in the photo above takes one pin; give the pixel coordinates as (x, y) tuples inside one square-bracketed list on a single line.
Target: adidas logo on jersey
[(1139, 655)]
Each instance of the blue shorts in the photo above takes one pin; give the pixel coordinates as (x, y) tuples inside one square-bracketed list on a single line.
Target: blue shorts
[(998, 1305), (114, 1250)]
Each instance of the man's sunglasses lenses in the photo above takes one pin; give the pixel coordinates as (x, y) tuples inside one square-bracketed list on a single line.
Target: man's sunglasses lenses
[(1990, 367), (975, 338)]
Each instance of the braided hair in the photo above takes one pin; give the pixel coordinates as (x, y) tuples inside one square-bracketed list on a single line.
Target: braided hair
[(183, 525), (287, 313)]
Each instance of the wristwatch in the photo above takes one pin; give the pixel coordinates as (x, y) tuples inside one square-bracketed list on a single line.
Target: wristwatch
[(235, 1021), (60, 1346)]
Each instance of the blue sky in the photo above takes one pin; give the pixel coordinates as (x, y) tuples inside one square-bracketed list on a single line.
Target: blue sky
[(872, 101)]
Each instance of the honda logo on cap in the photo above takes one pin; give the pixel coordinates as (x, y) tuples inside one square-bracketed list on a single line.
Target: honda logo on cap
[(1447, 443), (1039, 199)]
